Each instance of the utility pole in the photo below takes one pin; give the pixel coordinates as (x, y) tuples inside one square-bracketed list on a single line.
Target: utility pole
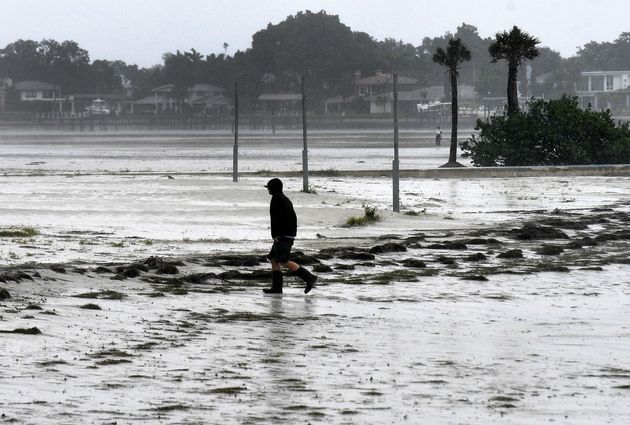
[(305, 146), (235, 150), (395, 163)]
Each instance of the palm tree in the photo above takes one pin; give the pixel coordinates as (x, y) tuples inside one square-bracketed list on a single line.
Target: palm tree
[(454, 55), (225, 46), (515, 47)]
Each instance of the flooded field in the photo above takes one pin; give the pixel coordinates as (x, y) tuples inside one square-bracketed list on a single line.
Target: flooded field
[(137, 298), (72, 152)]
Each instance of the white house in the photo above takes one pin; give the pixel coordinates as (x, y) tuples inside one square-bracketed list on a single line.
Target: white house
[(605, 89), (41, 93), (377, 90), (162, 98)]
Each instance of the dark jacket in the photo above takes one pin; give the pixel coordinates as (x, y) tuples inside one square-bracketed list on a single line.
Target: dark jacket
[(283, 218)]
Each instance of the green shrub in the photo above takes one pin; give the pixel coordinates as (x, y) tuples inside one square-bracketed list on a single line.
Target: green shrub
[(19, 232), (370, 215), (549, 132)]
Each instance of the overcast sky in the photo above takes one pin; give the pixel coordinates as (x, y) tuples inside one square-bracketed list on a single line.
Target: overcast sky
[(141, 31)]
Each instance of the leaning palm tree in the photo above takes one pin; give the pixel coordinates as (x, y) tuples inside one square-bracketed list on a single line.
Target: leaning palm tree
[(515, 47), (454, 55)]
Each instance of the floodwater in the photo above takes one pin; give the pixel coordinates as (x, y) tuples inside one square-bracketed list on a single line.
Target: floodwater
[(34, 153), (107, 217), (517, 348), (438, 350)]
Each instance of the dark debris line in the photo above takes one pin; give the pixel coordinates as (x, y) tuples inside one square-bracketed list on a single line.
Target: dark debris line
[(556, 241)]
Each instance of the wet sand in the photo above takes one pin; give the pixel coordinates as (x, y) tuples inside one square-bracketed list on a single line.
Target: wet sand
[(498, 301)]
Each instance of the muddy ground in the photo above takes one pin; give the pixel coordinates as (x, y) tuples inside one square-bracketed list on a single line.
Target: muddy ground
[(522, 323)]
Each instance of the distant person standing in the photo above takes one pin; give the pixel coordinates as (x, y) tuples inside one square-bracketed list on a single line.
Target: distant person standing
[(283, 231), (438, 136)]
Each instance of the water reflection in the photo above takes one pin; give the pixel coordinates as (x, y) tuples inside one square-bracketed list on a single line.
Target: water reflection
[(285, 354)]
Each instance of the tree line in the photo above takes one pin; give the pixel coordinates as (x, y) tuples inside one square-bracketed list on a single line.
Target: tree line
[(317, 46)]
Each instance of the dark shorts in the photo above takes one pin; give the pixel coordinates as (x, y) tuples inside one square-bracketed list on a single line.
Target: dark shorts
[(281, 250)]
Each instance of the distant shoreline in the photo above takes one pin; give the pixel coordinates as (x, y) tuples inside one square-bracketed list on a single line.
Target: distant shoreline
[(606, 170)]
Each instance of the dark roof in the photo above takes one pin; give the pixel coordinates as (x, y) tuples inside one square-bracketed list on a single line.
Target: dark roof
[(385, 79), (33, 85)]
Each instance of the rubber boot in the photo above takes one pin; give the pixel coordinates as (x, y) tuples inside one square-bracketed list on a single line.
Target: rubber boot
[(276, 283), (307, 277)]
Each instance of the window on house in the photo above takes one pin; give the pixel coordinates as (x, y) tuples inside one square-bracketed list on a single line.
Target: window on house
[(597, 83), (48, 94), (30, 94), (609, 82)]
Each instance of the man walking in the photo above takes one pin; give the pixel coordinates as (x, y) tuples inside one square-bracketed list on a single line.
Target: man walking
[(283, 231)]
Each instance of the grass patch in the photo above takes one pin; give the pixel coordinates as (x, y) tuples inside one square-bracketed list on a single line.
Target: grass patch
[(327, 172), (52, 363), (19, 232), (543, 267), (477, 277), (442, 259), (372, 393), (171, 407), (90, 306), (263, 172), (246, 317), (296, 407), (108, 362), (512, 253), (549, 250), (413, 263), (102, 294), (415, 213), (370, 215), (384, 278), (23, 331), (145, 346), (227, 390), (114, 352), (476, 257)]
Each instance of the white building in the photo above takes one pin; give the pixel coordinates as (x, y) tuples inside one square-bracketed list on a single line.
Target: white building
[(163, 99), (605, 89)]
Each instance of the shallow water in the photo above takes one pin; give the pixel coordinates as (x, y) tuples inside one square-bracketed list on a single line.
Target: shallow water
[(440, 349), (516, 349), (213, 153), (92, 217)]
